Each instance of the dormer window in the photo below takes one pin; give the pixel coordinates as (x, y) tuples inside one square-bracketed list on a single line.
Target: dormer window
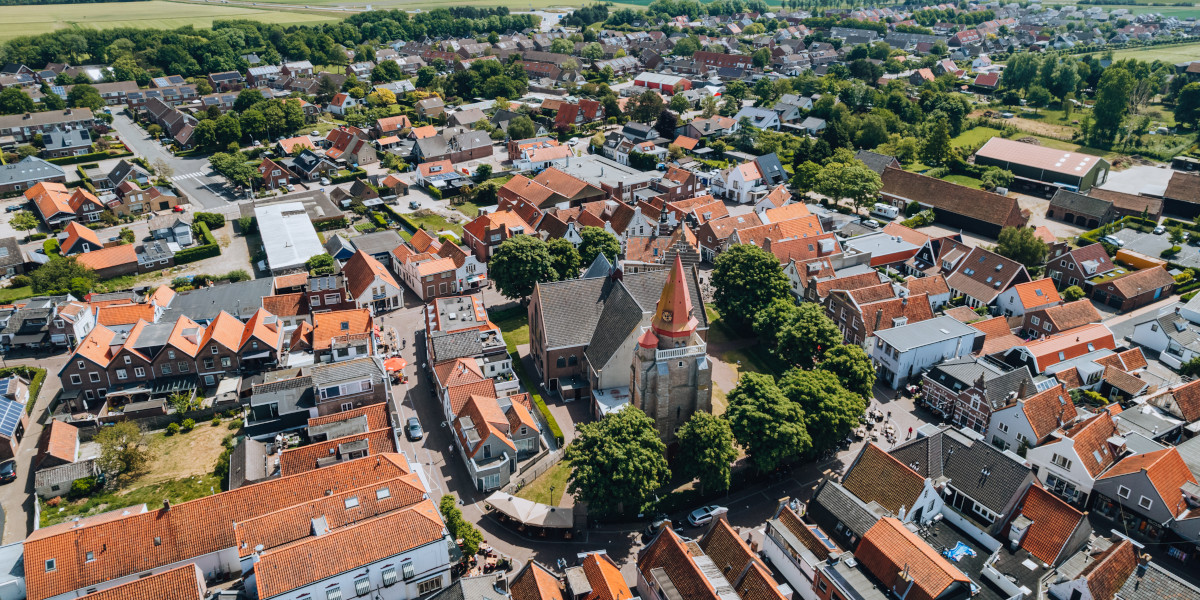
[(213, 348)]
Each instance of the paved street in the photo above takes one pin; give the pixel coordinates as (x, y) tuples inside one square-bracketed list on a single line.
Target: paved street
[(16, 498), (193, 175)]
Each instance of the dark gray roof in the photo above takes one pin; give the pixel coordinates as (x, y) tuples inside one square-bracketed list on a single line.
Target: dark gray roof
[(247, 463), (480, 587), (772, 171), (154, 335), (599, 267), (620, 318), (66, 473), (456, 344), (351, 370), (337, 244), (963, 460), (433, 146), (1190, 451), (1156, 583), (999, 381), (1080, 204), (154, 251), (30, 169), (875, 161), (240, 299), (380, 242), (833, 504), (10, 252), (62, 140)]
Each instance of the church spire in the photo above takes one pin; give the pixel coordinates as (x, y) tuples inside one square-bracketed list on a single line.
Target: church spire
[(673, 316)]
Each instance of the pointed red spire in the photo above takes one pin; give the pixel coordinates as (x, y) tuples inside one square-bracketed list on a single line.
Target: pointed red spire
[(673, 317)]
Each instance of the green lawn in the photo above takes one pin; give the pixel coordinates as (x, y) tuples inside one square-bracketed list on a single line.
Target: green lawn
[(540, 489), (435, 223), (10, 294), (976, 136), (965, 180), (44, 18), (176, 490), (514, 324)]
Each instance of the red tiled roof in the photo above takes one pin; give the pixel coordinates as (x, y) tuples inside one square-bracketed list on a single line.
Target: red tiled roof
[(1091, 439), (108, 257), (889, 551), (181, 583), (294, 461), (1047, 411), (59, 440), (877, 476), (1070, 344), (1038, 293), (362, 270), (286, 305), (1053, 523), (226, 330), (535, 582), (459, 394), (1073, 314), (376, 414), (669, 552), (945, 196), (338, 323), (124, 314), (1166, 471), (1110, 570), (605, 578)]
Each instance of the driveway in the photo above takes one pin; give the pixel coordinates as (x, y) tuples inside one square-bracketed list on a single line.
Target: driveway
[(16, 498), (1152, 245), (204, 187)]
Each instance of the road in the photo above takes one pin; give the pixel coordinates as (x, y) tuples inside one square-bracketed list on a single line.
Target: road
[(193, 175), (16, 498)]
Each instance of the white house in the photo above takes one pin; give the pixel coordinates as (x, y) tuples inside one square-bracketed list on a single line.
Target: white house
[(1030, 421), (902, 353), (1070, 464), (370, 284), (743, 182), (1174, 337), (761, 118), (342, 103), (1028, 296), (540, 158)]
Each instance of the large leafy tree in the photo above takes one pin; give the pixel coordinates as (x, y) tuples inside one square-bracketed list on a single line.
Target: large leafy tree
[(85, 96), (768, 320), (1112, 102), (765, 422), (806, 336), (123, 451), (595, 241), (564, 258), (853, 180), (830, 410), (646, 107), (617, 461), (1187, 106), (520, 262), (935, 148), (706, 451), (62, 275), (521, 128), (14, 101), (851, 365), (247, 98), (1022, 245), (460, 526), (747, 279)]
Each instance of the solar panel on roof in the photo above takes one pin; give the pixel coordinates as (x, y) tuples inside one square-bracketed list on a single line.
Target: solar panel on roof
[(10, 415), (4, 386)]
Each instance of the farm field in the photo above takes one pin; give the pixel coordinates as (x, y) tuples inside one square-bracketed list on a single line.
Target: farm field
[(1138, 8), (35, 19), (1171, 54)]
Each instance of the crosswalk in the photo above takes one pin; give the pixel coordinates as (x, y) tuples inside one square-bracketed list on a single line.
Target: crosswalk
[(195, 175)]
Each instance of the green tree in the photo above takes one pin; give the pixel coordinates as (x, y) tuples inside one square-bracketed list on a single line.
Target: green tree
[(804, 179), (564, 258), (747, 279), (1073, 293), (85, 96), (24, 220), (645, 107), (706, 451), (1022, 245), (127, 236), (617, 461), (247, 98), (1190, 368), (853, 180), (807, 336), (123, 451), (62, 275), (851, 365), (593, 51), (1175, 234), (995, 177), (1112, 103), (387, 70), (14, 101), (520, 262), (936, 147), (765, 422), (761, 58), (679, 103), (521, 128), (830, 410), (768, 321), (459, 526), (321, 264), (595, 240), (425, 76), (562, 46), (1187, 105), (1038, 96)]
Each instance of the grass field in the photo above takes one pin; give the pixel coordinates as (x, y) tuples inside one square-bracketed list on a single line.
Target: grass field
[(548, 488), (1171, 54), (972, 137), (35, 19)]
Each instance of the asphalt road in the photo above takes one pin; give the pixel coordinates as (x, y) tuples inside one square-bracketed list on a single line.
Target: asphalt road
[(205, 188), (16, 498)]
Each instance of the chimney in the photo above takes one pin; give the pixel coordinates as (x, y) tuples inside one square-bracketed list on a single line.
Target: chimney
[(878, 318), (1021, 390), (166, 504)]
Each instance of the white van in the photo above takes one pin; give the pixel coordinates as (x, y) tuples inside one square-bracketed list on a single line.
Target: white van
[(885, 210)]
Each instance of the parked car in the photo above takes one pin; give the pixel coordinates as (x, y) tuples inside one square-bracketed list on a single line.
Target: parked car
[(413, 429), (705, 514), (179, 208), (8, 471), (1108, 239), (325, 181), (414, 205), (14, 208), (655, 524), (1160, 230)]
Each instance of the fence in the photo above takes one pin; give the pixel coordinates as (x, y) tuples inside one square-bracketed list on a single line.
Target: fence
[(533, 469), (89, 429)]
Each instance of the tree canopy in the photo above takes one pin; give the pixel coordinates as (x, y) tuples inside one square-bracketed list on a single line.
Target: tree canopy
[(617, 462), (765, 422), (706, 450), (123, 451), (520, 262), (1022, 245), (830, 410), (596, 241), (851, 365), (747, 279)]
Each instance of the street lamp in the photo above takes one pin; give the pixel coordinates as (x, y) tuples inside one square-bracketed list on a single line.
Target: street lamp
[(551, 494)]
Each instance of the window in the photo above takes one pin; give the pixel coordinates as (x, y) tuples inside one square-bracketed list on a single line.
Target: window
[(208, 363), (407, 568), (90, 557), (1061, 461), (50, 565), (821, 584), (561, 362), (351, 502), (122, 374), (1145, 502), (139, 372), (316, 300), (225, 361), (389, 575), (382, 493), (572, 361), (362, 586), (94, 376), (1003, 427), (183, 367), (75, 379), (429, 585), (171, 354), (1122, 491), (1046, 325), (214, 348), (80, 364), (333, 593), (1034, 320), (332, 298)]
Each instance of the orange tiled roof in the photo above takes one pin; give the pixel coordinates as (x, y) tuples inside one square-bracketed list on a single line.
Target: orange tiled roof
[(59, 440), (877, 476), (263, 326), (727, 549), (564, 184), (460, 371), (291, 280), (362, 270), (421, 241), (286, 305), (459, 394), (107, 257), (226, 330), (186, 336), (294, 461), (1071, 343), (329, 325), (124, 542), (889, 550), (1047, 411), (181, 583), (605, 578), (535, 582), (669, 552), (376, 415), (421, 133), (1110, 570), (489, 421), (320, 557), (76, 232), (95, 347), (50, 198), (1166, 471), (1053, 523), (1091, 438), (162, 296), (911, 236), (124, 314), (1037, 293), (519, 414), (686, 142)]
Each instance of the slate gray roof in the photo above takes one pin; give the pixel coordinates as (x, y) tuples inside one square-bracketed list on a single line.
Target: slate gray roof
[(1156, 584), (432, 146), (599, 267), (64, 474), (30, 169), (875, 161), (771, 169), (915, 335), (963, 460), (10, 252), (382, 242), (62, 140), (621, 316), (337, 244), (1179, 329), (240, 299), (247, 463), (1066, 200), (456, 344), (1190, 452), (999, 381), (833, 504), (351, 370), (480, 587)]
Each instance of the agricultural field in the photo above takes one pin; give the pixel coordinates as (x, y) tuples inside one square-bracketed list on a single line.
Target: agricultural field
[(1170, 54), (35, 19)]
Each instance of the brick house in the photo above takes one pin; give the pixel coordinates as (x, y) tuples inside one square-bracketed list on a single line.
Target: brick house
[(487, 231), (861, 312), (967, 390), (1079, 265), (1055, 319), (1134, 290), (274, 176)]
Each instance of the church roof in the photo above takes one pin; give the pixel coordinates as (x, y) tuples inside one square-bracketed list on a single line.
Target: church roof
[(672, 315)]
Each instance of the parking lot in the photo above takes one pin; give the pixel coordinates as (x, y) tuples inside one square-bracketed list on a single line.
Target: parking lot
[(1152, 245)]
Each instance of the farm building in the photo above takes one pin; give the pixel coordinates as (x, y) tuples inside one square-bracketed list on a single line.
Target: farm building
[(1044, 168), (667, 84)]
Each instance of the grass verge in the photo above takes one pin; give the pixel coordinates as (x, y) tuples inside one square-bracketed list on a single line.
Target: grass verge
[(10, 294), (549, 487)]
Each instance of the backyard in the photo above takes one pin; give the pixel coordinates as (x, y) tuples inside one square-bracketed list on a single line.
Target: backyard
[(180, 469)]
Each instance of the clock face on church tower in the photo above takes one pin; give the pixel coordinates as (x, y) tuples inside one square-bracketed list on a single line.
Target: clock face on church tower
[(667, 316)]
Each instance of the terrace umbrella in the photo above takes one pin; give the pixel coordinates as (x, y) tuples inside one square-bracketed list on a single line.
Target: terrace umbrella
[(394, 364)]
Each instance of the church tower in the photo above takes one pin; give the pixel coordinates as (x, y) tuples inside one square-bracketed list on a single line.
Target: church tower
[(672, 376)]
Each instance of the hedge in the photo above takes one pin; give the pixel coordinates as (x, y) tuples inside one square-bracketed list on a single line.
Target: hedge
[(191, 255), (351, 176), (402, 219), (35, 375), (206, 233), (328, 225), (519, 369), (82, 158), (50, 246)]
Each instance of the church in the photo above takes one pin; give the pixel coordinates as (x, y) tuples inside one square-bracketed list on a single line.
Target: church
[(615, 339)]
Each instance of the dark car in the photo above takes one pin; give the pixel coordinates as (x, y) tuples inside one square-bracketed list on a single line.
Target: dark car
[(14, 208), (8, 471), (413, 429)]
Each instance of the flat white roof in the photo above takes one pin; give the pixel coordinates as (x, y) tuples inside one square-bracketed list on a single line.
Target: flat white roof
[(287, 234)]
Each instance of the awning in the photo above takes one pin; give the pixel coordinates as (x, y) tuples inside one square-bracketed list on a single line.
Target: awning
[(256, 355), (394, 364), (474, 278), (532, 513)]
